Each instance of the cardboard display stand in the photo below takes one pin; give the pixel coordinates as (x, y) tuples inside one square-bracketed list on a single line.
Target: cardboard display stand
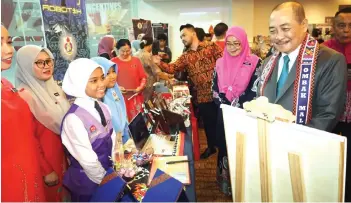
[(275, 161)]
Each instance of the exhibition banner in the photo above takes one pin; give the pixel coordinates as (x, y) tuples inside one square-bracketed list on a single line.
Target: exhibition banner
[(107, 18), (160, 28), (141, 26), (66, 32)]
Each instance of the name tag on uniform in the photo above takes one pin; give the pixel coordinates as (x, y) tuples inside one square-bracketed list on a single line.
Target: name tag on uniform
[(115, 96), (246, 63), (56, 94)]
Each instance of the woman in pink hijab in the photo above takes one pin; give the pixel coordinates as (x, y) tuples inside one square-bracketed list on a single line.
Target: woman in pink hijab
[(106, 47), (233, 84)]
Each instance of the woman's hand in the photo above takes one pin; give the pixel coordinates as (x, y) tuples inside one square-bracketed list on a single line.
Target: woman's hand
[(123, 90), (51, 179)]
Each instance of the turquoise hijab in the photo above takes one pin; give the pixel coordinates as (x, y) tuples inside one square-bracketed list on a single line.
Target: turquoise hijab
[(117, 106)]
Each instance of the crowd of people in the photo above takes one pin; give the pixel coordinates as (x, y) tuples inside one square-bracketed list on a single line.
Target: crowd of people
[(56, 150)]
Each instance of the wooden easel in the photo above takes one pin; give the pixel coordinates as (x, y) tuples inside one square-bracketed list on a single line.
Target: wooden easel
[(265, 174), (240, 167), (276, 161), (296, 176), (265, 113)]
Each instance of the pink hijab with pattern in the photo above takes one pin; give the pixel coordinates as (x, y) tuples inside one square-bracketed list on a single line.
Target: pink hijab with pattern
[(234, 72)]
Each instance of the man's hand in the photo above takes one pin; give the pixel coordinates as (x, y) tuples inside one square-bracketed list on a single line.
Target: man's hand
[(163, 55)]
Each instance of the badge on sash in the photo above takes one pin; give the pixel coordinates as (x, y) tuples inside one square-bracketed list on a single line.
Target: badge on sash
[(107, 125)]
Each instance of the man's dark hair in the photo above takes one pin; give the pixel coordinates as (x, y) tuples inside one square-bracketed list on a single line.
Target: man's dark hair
[(162, 36), (344, 10), (122, 42), (316, 32), (220, 29), (187, 26), (208, 35), (200, 33), (297, 8)]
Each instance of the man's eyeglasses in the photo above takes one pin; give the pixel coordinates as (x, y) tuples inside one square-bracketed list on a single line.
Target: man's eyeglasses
[(41, 63), (343, 26)]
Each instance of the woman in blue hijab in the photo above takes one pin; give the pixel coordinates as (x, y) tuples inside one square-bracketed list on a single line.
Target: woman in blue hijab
[(113, 98), (135, 46)]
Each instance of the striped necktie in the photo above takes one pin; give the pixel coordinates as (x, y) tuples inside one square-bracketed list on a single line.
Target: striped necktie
[(283, 75)]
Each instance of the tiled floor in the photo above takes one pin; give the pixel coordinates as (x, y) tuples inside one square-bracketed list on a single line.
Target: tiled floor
[(205, 172)]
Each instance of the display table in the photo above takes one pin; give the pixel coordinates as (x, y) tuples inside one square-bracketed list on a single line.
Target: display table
[(138, 186), (194, 126), (188, 150), (195, 134)]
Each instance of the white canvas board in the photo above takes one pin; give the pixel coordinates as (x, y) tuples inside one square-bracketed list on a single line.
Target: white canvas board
[(319, 152)]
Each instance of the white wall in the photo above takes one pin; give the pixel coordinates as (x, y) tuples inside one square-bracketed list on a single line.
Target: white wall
[(243, 16), (200, 13)]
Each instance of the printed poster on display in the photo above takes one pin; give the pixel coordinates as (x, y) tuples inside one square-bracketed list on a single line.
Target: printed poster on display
[(160, 28), (106, 18), (141, 26), (66, 32)]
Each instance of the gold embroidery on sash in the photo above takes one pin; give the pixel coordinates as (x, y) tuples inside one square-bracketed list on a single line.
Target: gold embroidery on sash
[(162, 178)]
